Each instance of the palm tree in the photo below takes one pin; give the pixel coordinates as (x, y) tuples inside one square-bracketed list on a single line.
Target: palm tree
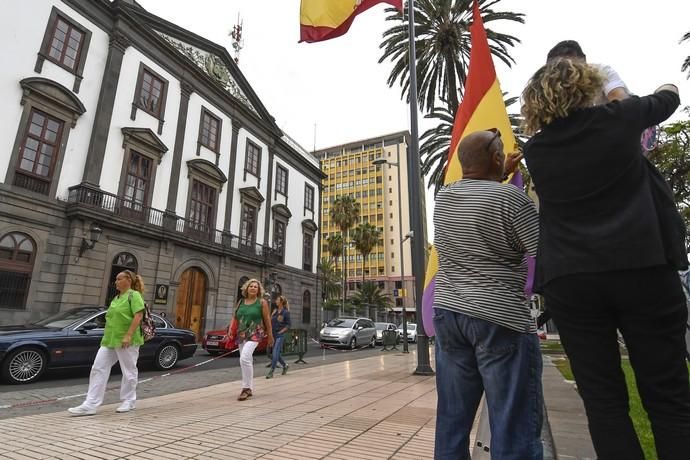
[(330, 279), (372, 296), (334, 243), (442, 42), (366, 238), (345, 213), (686, 63)]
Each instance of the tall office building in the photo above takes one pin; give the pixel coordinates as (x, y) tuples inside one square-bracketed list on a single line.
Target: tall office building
[(350, 170)]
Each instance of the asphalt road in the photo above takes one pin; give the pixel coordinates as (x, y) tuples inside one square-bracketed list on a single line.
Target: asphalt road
[(44, 395)]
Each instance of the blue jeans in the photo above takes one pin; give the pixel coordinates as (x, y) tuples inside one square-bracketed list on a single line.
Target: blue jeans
[(475, 356), (275, 353)]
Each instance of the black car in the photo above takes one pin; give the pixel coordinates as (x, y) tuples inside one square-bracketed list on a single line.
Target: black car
[(71, 338)]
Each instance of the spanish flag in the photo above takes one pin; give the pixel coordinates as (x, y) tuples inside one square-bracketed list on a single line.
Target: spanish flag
[(325, 19), (482, 108)]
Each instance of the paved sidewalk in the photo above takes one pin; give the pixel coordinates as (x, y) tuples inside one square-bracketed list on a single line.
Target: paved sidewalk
[(370, 408), (566, 416)]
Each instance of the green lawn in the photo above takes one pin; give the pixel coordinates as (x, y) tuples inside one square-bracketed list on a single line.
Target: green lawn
[(637, 412)]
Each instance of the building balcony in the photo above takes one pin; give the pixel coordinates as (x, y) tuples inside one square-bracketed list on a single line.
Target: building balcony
[(125, 214)]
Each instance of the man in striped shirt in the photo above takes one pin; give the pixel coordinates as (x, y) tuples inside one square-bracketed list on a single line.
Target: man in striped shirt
[(486, 339)]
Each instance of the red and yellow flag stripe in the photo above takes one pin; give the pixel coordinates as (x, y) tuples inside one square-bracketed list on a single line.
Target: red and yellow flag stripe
[(325, 19), (482, 108)]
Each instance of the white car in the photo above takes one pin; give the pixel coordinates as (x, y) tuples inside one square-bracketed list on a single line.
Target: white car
[(411, 332)]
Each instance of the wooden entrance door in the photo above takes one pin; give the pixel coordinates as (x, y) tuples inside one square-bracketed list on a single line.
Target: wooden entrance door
[(190, 301)]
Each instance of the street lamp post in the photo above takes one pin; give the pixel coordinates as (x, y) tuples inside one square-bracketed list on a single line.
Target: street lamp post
[(382, 161), (416, 225)]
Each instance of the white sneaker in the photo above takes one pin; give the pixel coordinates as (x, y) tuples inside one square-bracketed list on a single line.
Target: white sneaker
[(81, 410), (125, 407)]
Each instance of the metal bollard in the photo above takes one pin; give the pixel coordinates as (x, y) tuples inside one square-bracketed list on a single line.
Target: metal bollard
[(482, 443), (389, 338)]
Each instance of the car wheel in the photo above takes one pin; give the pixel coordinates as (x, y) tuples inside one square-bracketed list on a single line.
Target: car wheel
[(24, 365), (166, 357), (353, 343)]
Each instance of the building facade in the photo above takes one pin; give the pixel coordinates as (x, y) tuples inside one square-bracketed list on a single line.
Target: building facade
[(127, 142), (351, 170)]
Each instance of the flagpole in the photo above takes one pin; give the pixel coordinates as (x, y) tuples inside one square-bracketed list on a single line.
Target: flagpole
[(416, 224)]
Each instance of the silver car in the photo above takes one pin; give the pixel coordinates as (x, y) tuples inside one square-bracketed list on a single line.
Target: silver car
[(348, 331)]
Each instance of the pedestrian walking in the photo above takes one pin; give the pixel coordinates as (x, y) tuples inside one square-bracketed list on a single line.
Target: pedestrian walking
[(122, 338), (280, 321), (486, 339), (250, 325), (611, 242)]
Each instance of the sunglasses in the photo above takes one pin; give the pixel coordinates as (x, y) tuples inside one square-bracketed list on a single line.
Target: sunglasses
[(497, 135)]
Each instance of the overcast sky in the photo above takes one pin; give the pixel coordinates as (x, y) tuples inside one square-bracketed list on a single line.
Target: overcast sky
[(333, 92)]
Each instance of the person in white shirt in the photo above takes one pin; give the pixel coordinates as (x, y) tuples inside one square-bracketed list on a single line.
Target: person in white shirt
[(614, 87)]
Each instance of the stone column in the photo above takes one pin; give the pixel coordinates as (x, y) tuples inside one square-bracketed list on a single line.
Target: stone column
[(104, 110), (236, 125), (269, 196), (186, 91)]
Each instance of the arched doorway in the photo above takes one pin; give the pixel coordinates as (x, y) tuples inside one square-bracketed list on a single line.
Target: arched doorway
[(190, 301), (121, 262), (17, 254)]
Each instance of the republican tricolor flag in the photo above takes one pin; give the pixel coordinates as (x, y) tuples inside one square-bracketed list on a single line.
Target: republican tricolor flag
[(481, 108), (325, 19)]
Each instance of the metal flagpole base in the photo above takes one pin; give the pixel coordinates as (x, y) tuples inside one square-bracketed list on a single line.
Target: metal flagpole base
[(423, 364)]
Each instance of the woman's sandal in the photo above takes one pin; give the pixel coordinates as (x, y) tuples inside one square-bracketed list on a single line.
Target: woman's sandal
[(246, 393)]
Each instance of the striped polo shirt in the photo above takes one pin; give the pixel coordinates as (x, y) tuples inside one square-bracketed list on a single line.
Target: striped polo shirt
[(482, 231)]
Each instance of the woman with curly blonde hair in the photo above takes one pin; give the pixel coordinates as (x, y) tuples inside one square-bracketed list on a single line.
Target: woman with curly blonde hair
[(610, 242), (251, 323), (558, 89)]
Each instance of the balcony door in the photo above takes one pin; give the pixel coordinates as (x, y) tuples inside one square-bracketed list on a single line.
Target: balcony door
[(190, 301), (137, 185)]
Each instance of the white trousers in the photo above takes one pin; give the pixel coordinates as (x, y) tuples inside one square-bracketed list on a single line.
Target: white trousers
[(247, 363), (100, 373)]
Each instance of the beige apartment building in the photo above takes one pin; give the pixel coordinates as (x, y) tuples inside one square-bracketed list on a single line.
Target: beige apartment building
[(351, 169)]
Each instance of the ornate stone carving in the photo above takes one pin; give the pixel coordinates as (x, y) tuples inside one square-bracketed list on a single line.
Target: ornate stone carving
[(214, 66)]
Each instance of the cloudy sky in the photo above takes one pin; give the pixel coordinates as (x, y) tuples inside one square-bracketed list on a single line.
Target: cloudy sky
[(328, 93)]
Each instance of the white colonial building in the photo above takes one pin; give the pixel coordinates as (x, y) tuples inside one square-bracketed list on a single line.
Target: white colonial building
[(129, 142)]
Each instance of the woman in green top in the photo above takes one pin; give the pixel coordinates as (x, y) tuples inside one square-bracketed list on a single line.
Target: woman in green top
[(121, 341), (250, 325)]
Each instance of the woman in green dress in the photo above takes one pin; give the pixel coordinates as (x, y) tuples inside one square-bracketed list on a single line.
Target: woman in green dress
[(251, 323)]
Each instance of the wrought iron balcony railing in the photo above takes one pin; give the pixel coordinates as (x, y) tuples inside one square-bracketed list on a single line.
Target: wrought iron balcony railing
[(112, 205)]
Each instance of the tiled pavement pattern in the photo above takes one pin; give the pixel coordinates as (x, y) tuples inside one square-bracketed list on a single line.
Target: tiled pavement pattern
[(369, 408)]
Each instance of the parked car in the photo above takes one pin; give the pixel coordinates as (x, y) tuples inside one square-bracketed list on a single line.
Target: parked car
[(380, 327), (349, 332), (411, 332), (217, 342), (71, 338)]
